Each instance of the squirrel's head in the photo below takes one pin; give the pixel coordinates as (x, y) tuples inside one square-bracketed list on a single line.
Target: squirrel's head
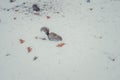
[(45, 29)]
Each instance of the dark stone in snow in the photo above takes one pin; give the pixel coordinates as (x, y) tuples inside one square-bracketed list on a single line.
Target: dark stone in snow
[(12, 0), (88, 1), (35, 58), (35, 7), (24, 3), (7, 54)]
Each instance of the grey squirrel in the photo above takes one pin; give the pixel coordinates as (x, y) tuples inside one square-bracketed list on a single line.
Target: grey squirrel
[(51, 35)]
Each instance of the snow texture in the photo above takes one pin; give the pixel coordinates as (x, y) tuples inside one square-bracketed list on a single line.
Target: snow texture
[(91, 36)]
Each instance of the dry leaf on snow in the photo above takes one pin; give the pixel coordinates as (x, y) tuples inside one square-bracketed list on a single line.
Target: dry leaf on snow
[(29, 49), (60, 44), (21, 41)]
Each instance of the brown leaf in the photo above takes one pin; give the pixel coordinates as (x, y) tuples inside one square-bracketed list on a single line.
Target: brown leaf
[(60, 44), (21, 41), (29, 49)]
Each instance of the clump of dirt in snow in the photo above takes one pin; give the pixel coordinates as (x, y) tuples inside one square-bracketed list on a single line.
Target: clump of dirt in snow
[(98, 37), (91, 9), (37, 7), (35, 58), (48, 17), (36, 37), (12, 0), (8, 54), (88, 1), (14, 18), (111, 58)]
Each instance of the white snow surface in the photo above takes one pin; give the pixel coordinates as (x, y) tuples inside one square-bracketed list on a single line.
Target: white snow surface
[(90, 31)]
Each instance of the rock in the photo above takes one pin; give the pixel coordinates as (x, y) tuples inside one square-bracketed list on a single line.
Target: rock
[(35, 58), (35, 7), (88, 1), (12, 0)]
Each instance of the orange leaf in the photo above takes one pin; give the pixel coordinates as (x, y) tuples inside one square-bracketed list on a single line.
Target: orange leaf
[(60, 44)]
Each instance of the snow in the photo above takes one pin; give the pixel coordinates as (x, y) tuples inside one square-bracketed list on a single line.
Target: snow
[(90, 31)]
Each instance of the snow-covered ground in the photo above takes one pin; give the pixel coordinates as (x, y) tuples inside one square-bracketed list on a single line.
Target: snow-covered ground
[(90, 31)]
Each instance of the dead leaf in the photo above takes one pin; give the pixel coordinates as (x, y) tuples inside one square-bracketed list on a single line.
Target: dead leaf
[(60, 45), (29, 49), (21, 41)]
